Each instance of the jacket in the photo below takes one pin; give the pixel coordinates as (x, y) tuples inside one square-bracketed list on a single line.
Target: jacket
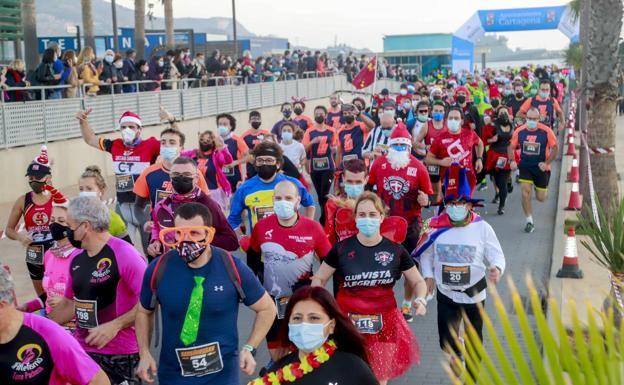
[(220, 158)]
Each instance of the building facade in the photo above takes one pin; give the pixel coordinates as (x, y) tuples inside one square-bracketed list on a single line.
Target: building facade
[(422, 53)]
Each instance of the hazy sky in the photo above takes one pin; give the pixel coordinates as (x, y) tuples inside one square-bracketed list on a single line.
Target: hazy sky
[(362, 24)]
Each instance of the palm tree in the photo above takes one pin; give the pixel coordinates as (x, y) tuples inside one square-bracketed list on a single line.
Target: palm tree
[(603, 34), (87, 23), (139, 28), (169, 42), (574, 56), (29, 25)]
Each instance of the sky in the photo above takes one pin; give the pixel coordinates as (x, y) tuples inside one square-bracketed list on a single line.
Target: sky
[(360, 24)]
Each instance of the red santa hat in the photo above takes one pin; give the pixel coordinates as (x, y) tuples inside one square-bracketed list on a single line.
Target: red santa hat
[(400, 135), (41, 165), (58, 199), (130, 117), (464, 90)]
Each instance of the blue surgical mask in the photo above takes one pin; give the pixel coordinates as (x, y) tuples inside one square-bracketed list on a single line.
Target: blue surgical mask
[(437, 116), (532, 124), (399, 147), (453, 125), (307, 337), (353, 190), (284, 209), (368, 226), (457, 213), (168, 153), (223, 131), (544, 95), (287, 136), (386, 132)]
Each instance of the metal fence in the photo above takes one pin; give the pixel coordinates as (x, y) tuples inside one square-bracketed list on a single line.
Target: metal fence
[(41, 121)]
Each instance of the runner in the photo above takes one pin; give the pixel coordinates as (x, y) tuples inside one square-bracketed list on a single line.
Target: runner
[(102, 291), (456, 253), (199, 287), (37, 351), (255, 195), (403, 184), (35, 207), (319, 142), (422, 143), (538, 148), (321, 333), (184, 177), (470, 113), (456, 146), (516, 101), (253, 136), (286, 109), (131, 155), (377, 142), (421, 121), (281, 252), (93, 184), (497, 135), (236, 172), (547, 106), (369, 266), (334, 117), (293, 150), (350, 136), (303, 121)]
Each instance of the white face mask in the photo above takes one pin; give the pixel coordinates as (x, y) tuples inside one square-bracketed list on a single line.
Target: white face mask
[(94, 194), (118, 64), (453, 125), (109, 58), (128, 135)]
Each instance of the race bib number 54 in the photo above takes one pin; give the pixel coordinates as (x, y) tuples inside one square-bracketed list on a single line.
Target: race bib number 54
[(197, 361)]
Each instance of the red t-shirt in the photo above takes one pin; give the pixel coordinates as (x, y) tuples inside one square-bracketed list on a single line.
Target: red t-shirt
[(399, 188), (457, 146)]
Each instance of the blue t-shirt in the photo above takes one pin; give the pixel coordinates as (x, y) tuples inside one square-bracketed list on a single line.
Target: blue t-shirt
[(218, 317)]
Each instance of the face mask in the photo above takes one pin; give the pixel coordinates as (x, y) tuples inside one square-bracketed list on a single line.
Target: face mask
[(37, 187), (298, 111), (477, 100), (544, 95), (532, 124), (266, 171), (453, 125), (182, 184), (438, 116), (437, 97), (90, 194), (368, 226), (161, 63), (507, 92), (390, 112), (223, 131), (333, 104), (307, 337), (349, 119), (403, 91), (422, 118), (287, 136), (118, 64), (206, 146), (284, 209), (533, 92), (407, 105), (168, 153), (190, 251), (256, 125), (128, 135), (73, 241), (495, 103), (354, 190), (461, 99), (503, 120), (399, 147), (457, 213), (386, 132), (519, 95), (145, 68), (319, 119), (109, 58), (58, 231), (287, 113)]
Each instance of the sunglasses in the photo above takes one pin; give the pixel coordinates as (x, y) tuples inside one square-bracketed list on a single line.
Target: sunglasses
[(173, 236)]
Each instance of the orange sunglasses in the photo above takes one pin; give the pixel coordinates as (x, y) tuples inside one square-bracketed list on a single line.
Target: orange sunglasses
[(173, 236)]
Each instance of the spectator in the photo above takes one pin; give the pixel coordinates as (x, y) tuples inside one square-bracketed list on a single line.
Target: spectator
[(44, 74), (107, 77), (58, 68), (153, 73), (87, 72), (198, 70), (71, 74), (130, 71), (15, 77), (213, 66), (118, 73), (143, 68), (170, 71), (181, 63)]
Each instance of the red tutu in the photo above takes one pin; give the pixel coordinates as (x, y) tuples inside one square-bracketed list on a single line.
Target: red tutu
[(393, 350)]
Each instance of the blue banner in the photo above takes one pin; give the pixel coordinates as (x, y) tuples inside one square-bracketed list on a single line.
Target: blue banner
[(525, 19), (462, 55)]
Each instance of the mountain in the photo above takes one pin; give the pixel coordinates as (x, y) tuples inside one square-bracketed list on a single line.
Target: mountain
[(53, 17)]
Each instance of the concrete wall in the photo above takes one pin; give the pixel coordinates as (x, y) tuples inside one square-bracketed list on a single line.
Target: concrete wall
[(70, 157)]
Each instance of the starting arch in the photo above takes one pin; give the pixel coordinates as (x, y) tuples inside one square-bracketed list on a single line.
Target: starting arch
[(508, 20)]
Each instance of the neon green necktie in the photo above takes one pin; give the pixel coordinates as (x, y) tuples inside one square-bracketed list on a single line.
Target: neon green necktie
[(188, 335)]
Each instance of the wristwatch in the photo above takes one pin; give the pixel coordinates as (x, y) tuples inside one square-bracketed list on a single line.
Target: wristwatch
[(250, 349)]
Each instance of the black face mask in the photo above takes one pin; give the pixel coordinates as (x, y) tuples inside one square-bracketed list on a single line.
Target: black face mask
[(37, 187), (461, 99), (287, 113), (333, 104), (255, 125), (190, 251), (437, 97), (266, 171), (503, 120), (58, 231), (349, 119), (182, 184), (495, 103), (298, 111), (519, 95), (206, 146), (319, 119), (70, 237)]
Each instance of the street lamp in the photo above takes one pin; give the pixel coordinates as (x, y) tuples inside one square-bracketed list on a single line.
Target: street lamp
[(234, 28)]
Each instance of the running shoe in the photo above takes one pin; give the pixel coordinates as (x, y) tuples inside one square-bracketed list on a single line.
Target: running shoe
[(501, 211), (407, 313), (529, 228), (495, 200), (509, 187)]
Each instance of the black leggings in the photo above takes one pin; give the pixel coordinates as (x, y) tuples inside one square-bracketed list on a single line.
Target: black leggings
[(450, 316), (322, 181), (501, 177)]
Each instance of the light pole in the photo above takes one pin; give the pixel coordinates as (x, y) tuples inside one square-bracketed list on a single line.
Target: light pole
[(115, 33), (236, 54)]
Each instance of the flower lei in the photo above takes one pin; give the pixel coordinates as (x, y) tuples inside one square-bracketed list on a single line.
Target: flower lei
[(296, 370)]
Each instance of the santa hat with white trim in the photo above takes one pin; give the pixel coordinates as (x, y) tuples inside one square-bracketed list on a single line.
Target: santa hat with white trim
[(400, 135), (130, 117)]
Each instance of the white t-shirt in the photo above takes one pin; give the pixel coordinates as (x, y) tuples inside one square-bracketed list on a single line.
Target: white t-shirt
[(295, 152)]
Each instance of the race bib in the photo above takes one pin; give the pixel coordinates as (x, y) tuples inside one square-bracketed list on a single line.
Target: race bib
[(530, 148), (162, 194), (34, 254), (456, 275), (320, 164), (501, 162), (197, 361), (281, 303), (263, 212), (433, 170), (228, 171), (367, 324), (124, 183), (86, 313)]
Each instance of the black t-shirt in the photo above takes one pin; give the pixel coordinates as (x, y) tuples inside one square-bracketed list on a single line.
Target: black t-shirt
[(26, 359), (514, 104), (342, 369)]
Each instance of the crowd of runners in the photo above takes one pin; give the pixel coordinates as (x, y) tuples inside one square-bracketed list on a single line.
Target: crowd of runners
[(270, 214)]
